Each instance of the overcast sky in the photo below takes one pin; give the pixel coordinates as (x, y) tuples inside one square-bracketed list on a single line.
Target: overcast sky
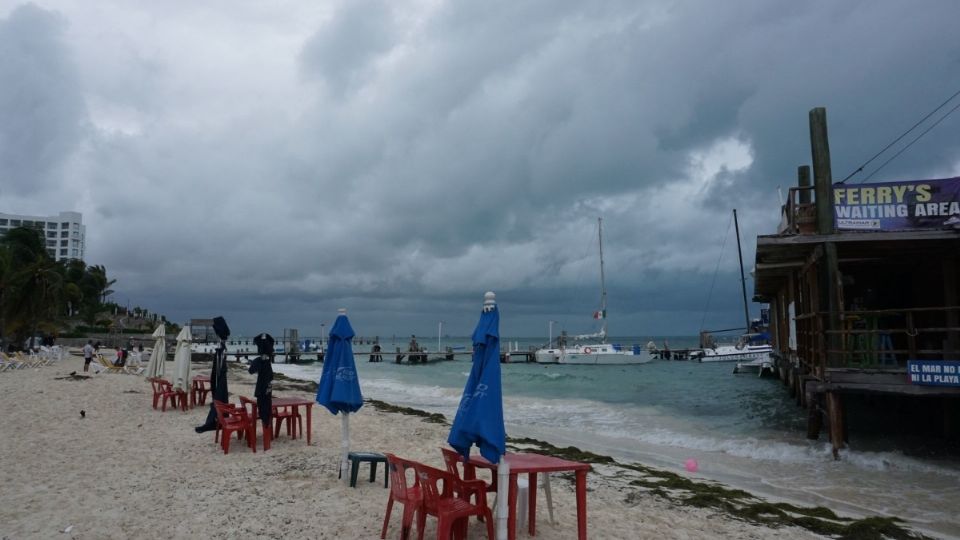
[(273, 161)]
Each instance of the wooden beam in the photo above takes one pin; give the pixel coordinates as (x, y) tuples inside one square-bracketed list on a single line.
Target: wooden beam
[(803, 180), (822, 176)]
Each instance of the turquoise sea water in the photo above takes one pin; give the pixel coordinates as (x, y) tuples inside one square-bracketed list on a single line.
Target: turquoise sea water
[(743, 430)]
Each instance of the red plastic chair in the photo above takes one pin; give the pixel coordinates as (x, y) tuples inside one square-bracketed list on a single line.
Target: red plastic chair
[(162, 392), (405, 491), (290, 414), (454, 461), (253, 413), (447, 498), (231, 419), (156, 391), (198, 393)]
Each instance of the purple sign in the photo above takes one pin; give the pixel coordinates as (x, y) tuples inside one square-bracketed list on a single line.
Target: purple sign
[(934, 372), (898, 206)]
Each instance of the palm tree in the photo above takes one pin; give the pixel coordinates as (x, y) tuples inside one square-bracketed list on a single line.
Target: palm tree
[(26, 266), (5, 271)]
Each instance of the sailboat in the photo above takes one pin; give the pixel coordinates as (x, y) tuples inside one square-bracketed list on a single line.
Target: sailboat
[(592, 348), (748, 354)]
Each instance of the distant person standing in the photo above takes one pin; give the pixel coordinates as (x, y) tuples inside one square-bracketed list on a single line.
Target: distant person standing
[(87, 355), (414, 347)]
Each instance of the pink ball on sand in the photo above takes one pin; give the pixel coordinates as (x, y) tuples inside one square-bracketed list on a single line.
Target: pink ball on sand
[(691, 465)]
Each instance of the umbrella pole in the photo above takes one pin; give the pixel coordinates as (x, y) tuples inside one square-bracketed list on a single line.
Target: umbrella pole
[(345, 446), (503, 501)]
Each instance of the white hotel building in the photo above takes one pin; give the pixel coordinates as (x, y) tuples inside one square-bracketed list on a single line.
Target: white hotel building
[(64, 233)]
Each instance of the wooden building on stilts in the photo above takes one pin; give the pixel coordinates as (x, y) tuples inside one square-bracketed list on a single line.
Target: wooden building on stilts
[(863, 282)]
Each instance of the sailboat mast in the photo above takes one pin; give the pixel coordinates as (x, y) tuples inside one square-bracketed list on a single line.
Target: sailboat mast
[(603, 285), (743, 280)]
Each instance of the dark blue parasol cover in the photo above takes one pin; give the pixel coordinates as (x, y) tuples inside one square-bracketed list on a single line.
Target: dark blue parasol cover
[(339, 387)]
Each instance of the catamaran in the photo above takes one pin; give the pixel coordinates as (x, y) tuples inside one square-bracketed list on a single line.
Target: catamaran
[(592, 348)]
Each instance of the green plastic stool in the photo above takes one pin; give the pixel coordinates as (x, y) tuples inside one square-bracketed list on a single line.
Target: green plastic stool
[(371, 457)]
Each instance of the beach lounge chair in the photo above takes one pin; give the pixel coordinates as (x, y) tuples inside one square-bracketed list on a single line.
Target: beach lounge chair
[(101, 364), (232, 419), (446, 497), (133, 370), (405, 489), (29, 360), (10, 363)]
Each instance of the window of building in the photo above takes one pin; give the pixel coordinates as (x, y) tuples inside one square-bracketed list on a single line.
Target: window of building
[(51, 234), (27, 223), (75, 252), (3, 221), (65, 225), (51, 243), (14, 222), (64, 234), (63, 243), (63, 252)]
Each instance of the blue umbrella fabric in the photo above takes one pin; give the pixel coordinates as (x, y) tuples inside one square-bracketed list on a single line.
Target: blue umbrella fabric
[(339, 388), (479, 418)]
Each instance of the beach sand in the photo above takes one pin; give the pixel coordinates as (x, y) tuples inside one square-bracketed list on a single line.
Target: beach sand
[(129, 471)]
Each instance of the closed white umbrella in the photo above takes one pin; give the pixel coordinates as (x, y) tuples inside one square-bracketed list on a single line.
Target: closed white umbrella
[(181, 361), (159, 353)]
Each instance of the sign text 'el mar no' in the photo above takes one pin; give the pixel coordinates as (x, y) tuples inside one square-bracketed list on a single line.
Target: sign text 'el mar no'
[(898, 206), (934, 372)]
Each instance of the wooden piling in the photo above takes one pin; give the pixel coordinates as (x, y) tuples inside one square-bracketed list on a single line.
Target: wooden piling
[(814, 418), (835, 417)]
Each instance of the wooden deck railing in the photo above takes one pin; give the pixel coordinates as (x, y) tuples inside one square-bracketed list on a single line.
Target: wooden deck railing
[(878, 339), (799, 218)]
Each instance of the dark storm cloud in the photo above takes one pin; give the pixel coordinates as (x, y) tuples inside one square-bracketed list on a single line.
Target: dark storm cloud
[(400, 158), (41, 106)]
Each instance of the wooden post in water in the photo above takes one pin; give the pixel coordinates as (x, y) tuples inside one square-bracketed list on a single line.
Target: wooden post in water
[(829, 274)]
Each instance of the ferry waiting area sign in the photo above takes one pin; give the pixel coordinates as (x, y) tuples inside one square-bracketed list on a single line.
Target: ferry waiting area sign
[(934, 372)]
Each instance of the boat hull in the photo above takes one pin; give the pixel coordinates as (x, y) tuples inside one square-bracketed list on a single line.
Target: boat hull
[(590, 356), (733, 354)]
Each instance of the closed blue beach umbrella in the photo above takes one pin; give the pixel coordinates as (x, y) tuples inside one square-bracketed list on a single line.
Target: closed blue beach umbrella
[(479, 419), (339, 387)]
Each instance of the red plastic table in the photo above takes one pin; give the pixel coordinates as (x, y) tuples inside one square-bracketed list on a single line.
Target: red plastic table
[(296, 403), (531, 465)]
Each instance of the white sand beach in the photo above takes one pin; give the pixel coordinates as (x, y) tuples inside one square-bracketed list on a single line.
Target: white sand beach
[(129, 471)]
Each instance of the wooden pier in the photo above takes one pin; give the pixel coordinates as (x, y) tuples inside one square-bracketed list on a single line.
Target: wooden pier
[(862, 315)]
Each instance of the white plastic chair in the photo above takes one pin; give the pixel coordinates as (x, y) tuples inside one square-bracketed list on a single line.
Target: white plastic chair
[(523, 490)]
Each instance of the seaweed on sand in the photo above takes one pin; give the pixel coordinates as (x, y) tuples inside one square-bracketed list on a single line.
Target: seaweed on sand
[(282, 382), (434, 418), (733, 502)]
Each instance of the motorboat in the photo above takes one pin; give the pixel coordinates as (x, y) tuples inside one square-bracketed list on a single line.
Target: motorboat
[(592, 349), (762, 364), (742, 351), (592, 353)]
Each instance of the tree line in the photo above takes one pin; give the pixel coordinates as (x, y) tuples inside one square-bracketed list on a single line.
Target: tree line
[(39, 295)]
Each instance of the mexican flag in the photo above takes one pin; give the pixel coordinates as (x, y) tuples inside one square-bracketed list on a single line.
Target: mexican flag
[(602, 314)]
